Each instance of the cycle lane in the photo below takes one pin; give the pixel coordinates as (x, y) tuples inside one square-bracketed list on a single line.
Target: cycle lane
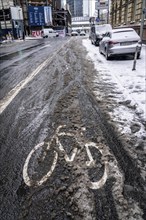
[(112, 192), (66, 194)]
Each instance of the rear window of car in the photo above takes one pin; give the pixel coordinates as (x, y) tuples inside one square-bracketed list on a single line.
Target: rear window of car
[(103, 28), (128, 33)]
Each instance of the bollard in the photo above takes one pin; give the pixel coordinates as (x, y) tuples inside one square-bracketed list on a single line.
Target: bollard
[(135, 58)]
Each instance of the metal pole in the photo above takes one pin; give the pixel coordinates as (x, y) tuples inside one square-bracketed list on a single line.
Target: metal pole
[(135, 58), (98, 13), (142, 19), (108, 13)]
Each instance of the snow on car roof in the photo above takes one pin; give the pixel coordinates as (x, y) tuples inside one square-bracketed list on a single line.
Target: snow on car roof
[(125, 32), (122, 30)]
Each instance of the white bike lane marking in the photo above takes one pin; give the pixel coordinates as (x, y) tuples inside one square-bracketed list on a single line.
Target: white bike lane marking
[(102, 181), (90, 163), (12, 94), (26, 178), (125, 207)]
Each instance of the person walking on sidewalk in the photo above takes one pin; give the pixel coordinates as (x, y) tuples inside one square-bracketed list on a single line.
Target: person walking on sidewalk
[(23, 37)]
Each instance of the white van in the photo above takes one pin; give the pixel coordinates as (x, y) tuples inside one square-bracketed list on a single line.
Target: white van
[(49, 32)]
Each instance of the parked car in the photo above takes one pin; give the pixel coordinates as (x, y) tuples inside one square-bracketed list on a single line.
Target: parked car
[(49, 32), (97, 32), (82, 33), (120, 42), (74, 33)]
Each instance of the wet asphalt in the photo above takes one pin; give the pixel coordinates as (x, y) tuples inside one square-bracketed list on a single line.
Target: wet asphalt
[(47, 97)]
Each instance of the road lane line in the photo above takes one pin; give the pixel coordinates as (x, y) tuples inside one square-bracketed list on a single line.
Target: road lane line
[(12, 94)]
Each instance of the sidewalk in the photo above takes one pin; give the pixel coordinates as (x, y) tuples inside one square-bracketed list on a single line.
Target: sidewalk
[(19, 40), (9, 47)]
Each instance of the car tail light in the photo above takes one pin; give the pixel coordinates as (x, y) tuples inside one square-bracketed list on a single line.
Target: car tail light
[(111, 42)]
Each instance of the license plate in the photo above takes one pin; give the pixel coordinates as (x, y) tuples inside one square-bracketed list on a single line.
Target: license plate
[(126, 43)]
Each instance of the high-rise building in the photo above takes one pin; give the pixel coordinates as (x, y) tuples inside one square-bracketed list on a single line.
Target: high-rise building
[(86, 8), (76, 7)]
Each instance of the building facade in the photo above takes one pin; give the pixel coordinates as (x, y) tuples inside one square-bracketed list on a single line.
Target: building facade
[(76, 7), (127, 13), (17, 21), (81, 23), (86, 8)]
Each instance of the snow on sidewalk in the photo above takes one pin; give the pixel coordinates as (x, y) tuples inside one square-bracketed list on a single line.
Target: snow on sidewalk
[(130, 88)]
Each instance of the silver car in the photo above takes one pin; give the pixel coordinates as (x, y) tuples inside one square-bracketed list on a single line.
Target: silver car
[(74, 33), (122, 41)]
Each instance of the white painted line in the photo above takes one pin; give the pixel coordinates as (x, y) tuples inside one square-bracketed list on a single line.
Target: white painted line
[(102, 181), (12, 94)]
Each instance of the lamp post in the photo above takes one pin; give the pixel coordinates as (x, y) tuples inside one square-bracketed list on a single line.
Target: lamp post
[(108, 12), (142, 19)]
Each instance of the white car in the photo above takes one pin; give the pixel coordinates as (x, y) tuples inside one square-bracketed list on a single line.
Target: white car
[(123, 41), (74, 33), (82, 33), (49, 32)]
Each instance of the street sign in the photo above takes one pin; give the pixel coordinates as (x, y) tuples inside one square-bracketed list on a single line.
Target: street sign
[(16, 13), (97, 19), (99, 5), (48, 15)]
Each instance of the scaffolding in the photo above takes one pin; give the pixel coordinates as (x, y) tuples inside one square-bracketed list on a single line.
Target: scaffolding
[(62, 20)]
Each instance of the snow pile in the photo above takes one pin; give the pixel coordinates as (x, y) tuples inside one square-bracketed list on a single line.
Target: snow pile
[(130, 89)]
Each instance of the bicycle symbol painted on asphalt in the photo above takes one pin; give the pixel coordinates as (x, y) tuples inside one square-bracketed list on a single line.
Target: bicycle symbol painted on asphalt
[(90, 163)]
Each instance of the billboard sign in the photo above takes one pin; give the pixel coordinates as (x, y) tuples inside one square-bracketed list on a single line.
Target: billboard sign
[(16, 13), (36, 33), (39, 15), (36, 16), (48, 15)]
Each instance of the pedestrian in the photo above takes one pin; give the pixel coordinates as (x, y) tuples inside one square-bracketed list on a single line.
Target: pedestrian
[(23, 36)]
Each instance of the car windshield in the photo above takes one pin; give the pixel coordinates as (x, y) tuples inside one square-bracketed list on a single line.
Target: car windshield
[(124, 34), (103, 28)]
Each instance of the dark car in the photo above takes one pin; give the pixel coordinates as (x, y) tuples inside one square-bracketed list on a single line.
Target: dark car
[(97, 32)]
